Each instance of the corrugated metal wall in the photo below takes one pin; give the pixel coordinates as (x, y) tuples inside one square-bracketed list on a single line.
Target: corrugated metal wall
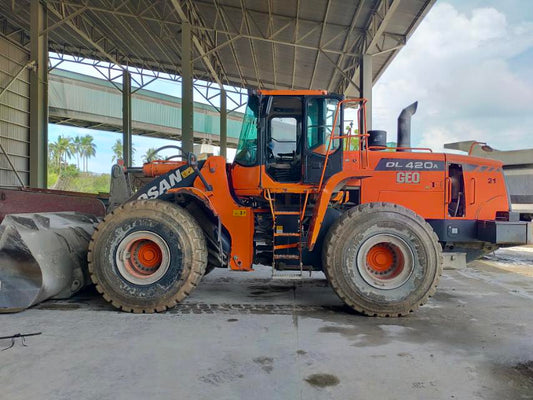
[(14, 113)]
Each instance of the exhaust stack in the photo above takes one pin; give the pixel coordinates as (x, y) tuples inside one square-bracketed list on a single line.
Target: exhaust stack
[(404, 126)]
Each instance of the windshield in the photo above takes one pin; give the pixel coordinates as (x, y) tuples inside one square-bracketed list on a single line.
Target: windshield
[(247, 147)]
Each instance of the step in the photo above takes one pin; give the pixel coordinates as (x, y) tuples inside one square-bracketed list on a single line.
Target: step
[(286, 257), (287, 234), (287, 212), (287, 275), (286, 246)]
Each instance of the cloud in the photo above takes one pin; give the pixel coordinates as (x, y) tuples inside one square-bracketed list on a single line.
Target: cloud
[(463, 69)]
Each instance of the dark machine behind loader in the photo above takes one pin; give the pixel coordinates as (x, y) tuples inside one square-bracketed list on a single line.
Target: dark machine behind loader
[(302, 195)]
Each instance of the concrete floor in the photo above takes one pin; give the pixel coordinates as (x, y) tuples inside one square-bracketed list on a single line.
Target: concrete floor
[(242, 336)]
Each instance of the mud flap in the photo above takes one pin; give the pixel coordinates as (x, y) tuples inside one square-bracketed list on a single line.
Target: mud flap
[(42, 256)]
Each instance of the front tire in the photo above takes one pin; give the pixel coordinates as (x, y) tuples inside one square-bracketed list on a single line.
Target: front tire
[(147, 256), (382, 259)]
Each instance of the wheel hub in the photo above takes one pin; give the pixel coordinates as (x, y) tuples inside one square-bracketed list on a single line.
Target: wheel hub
[(145, 256), (142, 257), (385, 261), (380, 258)]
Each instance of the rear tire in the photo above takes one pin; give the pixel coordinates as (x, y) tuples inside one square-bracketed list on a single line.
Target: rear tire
[(382, 259), (147, 256)]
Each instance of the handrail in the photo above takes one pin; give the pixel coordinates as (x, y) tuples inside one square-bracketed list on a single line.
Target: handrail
[(475, 143), (358, 136), (400, 148), (332, 136)]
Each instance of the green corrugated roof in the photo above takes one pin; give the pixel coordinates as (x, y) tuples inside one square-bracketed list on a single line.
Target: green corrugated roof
[(82, 94), (145, 92)]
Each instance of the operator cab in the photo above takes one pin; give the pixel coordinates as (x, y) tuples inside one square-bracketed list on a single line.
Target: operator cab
[(286, 134), (283, 157)]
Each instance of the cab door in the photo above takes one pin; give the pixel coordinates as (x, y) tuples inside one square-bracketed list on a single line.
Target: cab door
[(319, 114)]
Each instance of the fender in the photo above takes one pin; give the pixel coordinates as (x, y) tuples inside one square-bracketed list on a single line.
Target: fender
[(322, 203), (238, 220), (197, 193)]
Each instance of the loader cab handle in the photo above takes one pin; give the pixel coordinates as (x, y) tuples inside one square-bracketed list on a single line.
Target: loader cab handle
[(192, 160)]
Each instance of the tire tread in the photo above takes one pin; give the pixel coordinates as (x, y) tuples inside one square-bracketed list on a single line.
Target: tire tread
[(192, 276), (334, 235)]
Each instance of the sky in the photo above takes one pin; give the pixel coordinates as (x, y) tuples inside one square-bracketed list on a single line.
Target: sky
[(469, 65)]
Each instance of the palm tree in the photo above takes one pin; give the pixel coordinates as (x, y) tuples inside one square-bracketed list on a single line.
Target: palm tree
[(117, 151), (150, 155), (53, 155), (88, 150), (63, 149), (76, 144)]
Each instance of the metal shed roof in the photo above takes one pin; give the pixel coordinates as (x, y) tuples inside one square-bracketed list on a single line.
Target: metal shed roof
[(298, 44)]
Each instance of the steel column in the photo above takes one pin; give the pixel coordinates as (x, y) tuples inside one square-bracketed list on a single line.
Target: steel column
[(126, 119), (365, 84), (38, 95), (187, 106), (223, 124)]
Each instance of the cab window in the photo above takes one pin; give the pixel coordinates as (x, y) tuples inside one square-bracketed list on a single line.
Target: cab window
[(320, 116), (247, 148), (284, 139), (283, 134)]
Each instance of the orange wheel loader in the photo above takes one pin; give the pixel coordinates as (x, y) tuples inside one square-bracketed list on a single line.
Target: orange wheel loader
[(302, 195)]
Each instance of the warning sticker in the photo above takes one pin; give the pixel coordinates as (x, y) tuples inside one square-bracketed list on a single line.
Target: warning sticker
[(239, 213), (186, 172)]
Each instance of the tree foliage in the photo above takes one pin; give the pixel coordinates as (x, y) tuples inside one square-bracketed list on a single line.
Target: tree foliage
[(65, 148), (150, 155), (118, 151)]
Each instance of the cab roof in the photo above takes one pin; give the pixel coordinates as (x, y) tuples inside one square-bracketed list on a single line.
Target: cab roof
[(292, 92)]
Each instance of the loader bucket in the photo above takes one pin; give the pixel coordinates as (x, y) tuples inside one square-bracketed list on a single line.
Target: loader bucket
[(42, 256)]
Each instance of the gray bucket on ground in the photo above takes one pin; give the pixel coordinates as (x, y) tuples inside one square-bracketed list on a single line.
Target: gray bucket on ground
[(42, 256)]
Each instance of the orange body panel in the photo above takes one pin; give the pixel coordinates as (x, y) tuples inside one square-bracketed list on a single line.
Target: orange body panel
[(238, 220), (426, 195), (246, 180), (252, 181), (426, 198), (485, 188)]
